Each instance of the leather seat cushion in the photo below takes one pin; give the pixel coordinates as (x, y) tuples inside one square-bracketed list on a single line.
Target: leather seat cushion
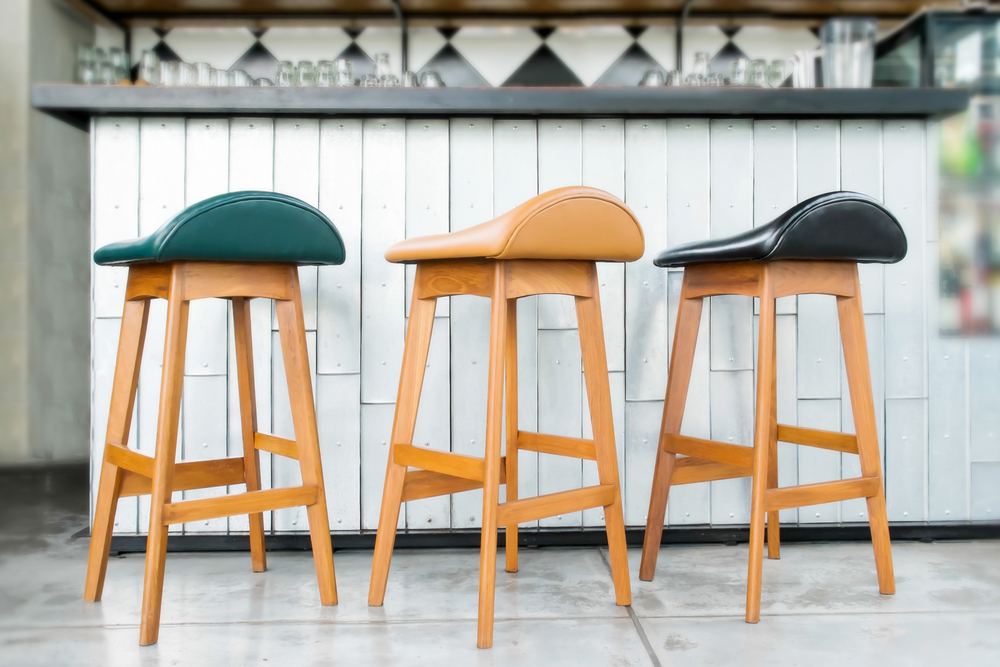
[(836, 225), (567, 223), (252, 227)]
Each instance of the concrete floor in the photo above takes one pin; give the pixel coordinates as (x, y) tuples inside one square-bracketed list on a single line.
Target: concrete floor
[(820, 604)]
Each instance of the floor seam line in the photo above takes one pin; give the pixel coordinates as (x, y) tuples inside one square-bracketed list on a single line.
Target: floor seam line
[(639, 630)]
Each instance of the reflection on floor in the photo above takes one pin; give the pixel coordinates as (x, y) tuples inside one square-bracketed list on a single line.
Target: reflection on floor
[(820, 604)]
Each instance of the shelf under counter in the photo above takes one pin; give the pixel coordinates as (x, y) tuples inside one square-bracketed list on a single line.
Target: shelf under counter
[(76, 104)]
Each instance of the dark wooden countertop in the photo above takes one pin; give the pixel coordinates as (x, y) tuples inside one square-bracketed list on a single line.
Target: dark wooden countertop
[(76, 104)]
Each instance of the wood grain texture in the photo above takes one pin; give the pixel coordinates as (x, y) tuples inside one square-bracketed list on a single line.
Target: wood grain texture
[(251, 502), (557, 445), (275, 445), (691, 470), (551, 504), (188, 475), (821, 492), (838, 442), (736, 455), (446, 463), (514, 436)]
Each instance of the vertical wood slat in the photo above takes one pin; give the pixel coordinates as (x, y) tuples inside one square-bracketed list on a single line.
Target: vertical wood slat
[(471, 151)]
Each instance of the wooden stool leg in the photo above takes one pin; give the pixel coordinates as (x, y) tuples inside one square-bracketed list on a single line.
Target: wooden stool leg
[(511, 423), (292, 330), (130, 342), (491, 477), (411, 379), (773, 522), (681, 359), (852, 333), (595, 371), (166, 448), (248, 424), (762, 445)]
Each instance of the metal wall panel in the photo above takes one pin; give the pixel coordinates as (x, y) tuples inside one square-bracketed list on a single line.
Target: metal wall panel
[(818, 347), (560, 383), (948, 442), (376, 429), (296, 173), (338, 419), (426, 189), (774, 172), (560, 164), (642, 427), (472, 179), (985, 478), (115, 206), (731, 335), (861, 171), (688, 188), (906, 458), (905, 323), (984, 386), (819, 465), (433, 428), (857, 509), (285, 472), (616, 381), (382, 284), (604, 168), (646, 351), (732, 422), (932, 132), (204, 427), (338, 308)]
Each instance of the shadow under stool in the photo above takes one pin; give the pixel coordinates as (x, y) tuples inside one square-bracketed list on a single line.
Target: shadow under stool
[(547, 245), (237, 246), (813, 248)]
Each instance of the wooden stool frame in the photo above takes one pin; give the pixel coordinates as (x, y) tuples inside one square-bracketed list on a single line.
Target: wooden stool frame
[(125, 472), (706, 460), (440, 473)]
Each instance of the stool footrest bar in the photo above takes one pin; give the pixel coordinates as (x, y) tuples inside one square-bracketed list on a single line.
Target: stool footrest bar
[(250, 502), (130, 460), (552, 504), (823, 492), (735, 455), (419, 484), (188, 475), (558, 445), (280, 446), (446, 463), (691, 470), (812, 437)]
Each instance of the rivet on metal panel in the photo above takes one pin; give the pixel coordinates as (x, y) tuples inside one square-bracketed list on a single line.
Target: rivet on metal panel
[(730, 127), (559, 127), (472, 124), (341, 207), (117, 127), (947, 511), (383, 442), (515, 127), (341, 127), (296, 127), (208, 127), (773, 127), (947, 437), (603, 127), (904, 437), (645, 126), (689, 204), (163, 124), (731, 515), (904, 514), (383, 126), (817, 514), (340, 520), (860, 128), (815, 127), (251, 127), (116, 206), (645, 283), (383, 363), (688, 126)]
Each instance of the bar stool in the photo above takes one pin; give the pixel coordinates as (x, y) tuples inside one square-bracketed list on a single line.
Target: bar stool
[(238, 246), (813, 248), (547, 245)]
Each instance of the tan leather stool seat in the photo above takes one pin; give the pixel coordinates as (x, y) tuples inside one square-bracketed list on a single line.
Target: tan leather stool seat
[(567, 223)]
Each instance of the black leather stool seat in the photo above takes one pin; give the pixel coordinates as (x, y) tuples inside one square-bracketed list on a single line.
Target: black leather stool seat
[(837, 225)]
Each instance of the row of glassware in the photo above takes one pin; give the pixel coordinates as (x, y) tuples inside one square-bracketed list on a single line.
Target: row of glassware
[(95, 65), (743, 72)]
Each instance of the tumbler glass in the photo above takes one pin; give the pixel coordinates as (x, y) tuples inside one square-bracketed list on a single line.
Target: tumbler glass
[(714, 80), (189, 75), (653, 77), (204, 74), (119, 59), (382, 69), (106, 74), (694, 80), (410, 80), (170, 73), (848, 52), (240, 78), (326, 74), (307, 74), (804, 68), (431, 79), (389, 81), (344, 72), (758, 73), (286, 74), (149, 68), (674, 78), (220, 77), (701, 60), (776, 73), (263, 83), (369, 81), (86, 64), (738, 72)]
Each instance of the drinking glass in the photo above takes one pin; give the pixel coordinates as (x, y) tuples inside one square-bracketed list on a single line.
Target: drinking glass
[(286, 75), (170, 73), (149, 68), (263, 83), (848, 52), (382, 69), (119, 59), (776, 73), (804, 69), (431, 79), (240, 78), (694, 80), (714, 80), (390, 81), (188, 75), (757, 76), (204, 74), (307, 74), (653, 77), (701, 60), (369, 81), (220, 77), (410, 80), (345, 73), (325, 74), (86, 64), (106, 74), (738, 72), (674, 78)]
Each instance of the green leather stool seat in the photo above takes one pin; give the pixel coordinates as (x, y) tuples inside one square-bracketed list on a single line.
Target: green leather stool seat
[(247, 227)]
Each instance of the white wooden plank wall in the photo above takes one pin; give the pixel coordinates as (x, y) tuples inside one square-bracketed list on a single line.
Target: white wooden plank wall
[(381, 180)]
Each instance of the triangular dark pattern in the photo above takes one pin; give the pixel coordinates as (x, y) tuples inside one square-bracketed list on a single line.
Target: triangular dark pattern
[(353, 32), (359, 60), (161, 32), (636, 30), (164, 52), (730, 30), (258, 32), (722, 62), (454, 69), (629, 68), (544, 32), (448, 32), (258, 62), (815, 31), (544, 69)]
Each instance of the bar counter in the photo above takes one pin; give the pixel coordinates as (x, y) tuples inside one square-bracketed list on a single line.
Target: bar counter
[(386, 164)]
